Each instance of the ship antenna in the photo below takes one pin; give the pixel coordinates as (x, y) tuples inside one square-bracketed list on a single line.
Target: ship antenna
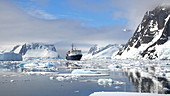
[(72, 46)]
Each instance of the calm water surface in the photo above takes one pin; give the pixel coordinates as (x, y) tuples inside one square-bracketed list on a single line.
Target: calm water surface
[(17, 84)]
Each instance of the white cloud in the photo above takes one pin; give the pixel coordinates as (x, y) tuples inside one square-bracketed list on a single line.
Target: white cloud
[(17, 27), (41, 14)]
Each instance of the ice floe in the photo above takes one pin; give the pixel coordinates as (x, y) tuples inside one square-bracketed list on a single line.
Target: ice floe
[(125, 94)]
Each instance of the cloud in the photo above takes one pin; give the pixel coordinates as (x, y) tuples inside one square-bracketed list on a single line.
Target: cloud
[(17, 26), (41, 14), (134, 10)]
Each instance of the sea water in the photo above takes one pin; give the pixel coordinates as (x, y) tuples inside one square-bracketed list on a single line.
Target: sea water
[(14, 83)]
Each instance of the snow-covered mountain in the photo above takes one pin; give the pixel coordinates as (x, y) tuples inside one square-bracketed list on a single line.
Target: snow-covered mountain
[(151, 38), (36, 50), (106, 52)]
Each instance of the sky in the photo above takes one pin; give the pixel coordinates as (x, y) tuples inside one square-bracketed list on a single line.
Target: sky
[(63, 22)]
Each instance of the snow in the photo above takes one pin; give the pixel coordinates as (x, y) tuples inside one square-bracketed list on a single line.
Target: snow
[(36, 50), (106, 52), (155, 26), (40, 53), (18, 49), (163, 51), (6, 48), (139, 28), (125, 94)]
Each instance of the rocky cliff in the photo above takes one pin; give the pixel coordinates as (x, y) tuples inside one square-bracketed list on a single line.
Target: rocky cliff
[(150, 39)]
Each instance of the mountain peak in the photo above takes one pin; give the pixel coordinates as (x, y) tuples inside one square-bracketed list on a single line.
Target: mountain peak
[(36, 50), (153, 31), (106, 52)]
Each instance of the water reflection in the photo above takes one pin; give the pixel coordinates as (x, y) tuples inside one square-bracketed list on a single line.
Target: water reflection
[(150, 84)]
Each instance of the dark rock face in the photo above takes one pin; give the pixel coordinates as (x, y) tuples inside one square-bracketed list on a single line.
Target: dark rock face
[(153, 30), (93, 50), (15, 47)]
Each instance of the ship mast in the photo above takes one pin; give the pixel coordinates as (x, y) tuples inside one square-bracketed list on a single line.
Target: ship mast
[(72, 46)]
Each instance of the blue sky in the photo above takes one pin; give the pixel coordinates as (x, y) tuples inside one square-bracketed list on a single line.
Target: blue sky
[(67, 9)]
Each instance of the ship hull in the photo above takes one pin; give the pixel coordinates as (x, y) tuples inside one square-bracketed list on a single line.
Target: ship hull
[(74, 57)]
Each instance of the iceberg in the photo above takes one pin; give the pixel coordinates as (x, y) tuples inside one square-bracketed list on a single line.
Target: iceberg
[(105, 82), (82, 71), (60, 78), (10, 56)]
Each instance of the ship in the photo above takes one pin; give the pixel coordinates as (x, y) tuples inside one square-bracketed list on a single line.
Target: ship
[(74, 54)]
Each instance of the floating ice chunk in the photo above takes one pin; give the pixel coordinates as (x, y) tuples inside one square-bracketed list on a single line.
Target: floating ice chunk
[(114, 67), (29, 65), (4, 75), (11, 81), (82, 71), (51, 78), (48, 65), (40, 73), (13, 75), (119, 83), (68, 78), (124, 94), (60, 78), (76, 91), (110, 80), (21, 65), (74, 77), (117, 87), (105, 82)]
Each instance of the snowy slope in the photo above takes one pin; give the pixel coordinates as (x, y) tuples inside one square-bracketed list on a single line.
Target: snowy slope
[(37, 50), (163, 51), (106, 52), (4, 49), (150, 37)]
